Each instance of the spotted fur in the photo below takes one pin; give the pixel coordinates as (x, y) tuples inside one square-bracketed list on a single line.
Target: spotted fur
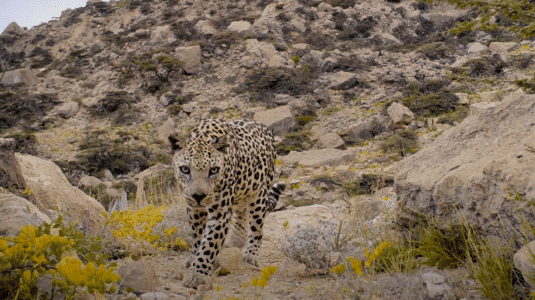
[(225, 170)]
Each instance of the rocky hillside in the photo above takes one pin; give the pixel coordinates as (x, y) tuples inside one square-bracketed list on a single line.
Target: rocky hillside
[(368, 100)]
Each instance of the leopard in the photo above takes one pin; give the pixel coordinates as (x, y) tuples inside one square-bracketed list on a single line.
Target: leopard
[(225, 171)]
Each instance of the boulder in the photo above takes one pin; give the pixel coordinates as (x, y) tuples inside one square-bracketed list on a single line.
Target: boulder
[(25, 76), (239, 26), (279, 120), (116, 28), (321, 157), (436, 286), (96, 47), (89, 181), (523, 261), (277, 62), (162, 34), (66, 110), (139, 275), (52, 191), (317, 132), (205, 27), (443, 18), (481, 169), (261, 50), (191, 57), (330, 141), (16, 212), (343, 80), (154, 296), (475, 48), (400, 114), (364, 130)]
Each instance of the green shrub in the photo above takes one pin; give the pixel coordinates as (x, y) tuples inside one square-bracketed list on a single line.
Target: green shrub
[(403, 142), (265, 82), (513, 16), (160, 67), (367, 184), (437, 50), (174, 109), (527, 85), (443, 248), (457, 115), (295, 141)]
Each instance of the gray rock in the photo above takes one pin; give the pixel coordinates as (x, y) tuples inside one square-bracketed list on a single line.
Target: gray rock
[(442, 18), (116, 28), (89, 181), (280, 120), (342, 80), (476, 48), (480, 169), (25, 76), (463, 98), (494, 96), (16, 212), (154, 296), (330, 141), (283, 99), (321, 157), (162, 34), (138, 275), (96, 47), (277, 62), (399, 113), (52, 190), (239, 26), (317, 132), (523, 261), (301, 46), (191, 57), (436, 286), (167, 98), (66, 110), (476, 108), (364, 130), (205, 27)]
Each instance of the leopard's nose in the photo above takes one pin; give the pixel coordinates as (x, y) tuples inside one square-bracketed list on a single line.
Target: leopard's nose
[(198, 197)]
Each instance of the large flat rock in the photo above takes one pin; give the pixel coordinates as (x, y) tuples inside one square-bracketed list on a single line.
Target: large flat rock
[(320, 157), (52, 191), (481, 169), (19, 76)]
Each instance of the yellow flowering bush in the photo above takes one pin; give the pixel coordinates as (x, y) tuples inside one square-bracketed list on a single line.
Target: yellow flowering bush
[(138, 226), (35, 253), (264, 276), (356, 265)]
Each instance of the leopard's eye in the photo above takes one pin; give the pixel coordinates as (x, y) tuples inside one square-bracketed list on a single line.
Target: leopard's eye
[(184, 170), (213, 171)]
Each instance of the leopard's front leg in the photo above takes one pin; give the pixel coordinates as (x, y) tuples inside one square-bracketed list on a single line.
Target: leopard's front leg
[(208, 249), (197, 219)]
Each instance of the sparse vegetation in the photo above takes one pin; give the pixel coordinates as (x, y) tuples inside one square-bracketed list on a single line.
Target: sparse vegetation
[(402, 143), (295, 141)]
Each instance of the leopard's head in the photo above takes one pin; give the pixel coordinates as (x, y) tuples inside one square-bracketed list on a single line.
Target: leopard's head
[(199, 166)]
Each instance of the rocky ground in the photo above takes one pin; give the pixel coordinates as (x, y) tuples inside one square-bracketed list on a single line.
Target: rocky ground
[(379, 115)]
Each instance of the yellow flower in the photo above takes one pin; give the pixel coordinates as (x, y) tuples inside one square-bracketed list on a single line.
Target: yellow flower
[(27, 275), (70, 268), (254, 281), (217, 288), (39, 259), (170, 230), (3, 244)]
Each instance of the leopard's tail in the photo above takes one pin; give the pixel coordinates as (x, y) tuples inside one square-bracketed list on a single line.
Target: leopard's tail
[(274, 195)]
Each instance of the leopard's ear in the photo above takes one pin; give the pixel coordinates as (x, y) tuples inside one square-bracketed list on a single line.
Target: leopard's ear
[(177, 142), (221, 143)]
